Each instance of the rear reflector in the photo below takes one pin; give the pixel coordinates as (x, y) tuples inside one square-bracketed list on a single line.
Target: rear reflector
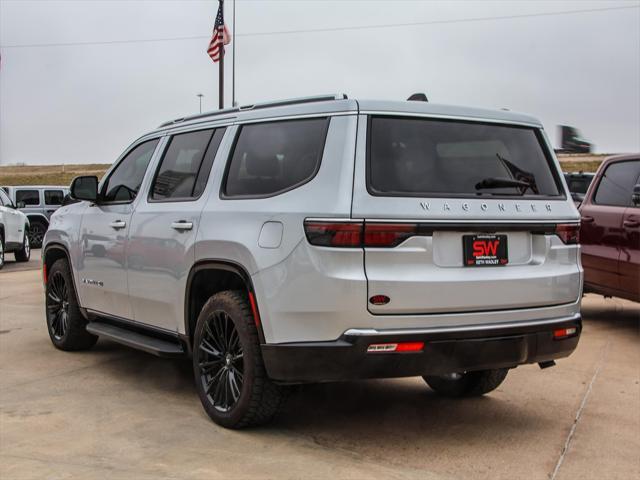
[(379, 300), (561, 333), (395, 347), (569, 233), (44, 273)]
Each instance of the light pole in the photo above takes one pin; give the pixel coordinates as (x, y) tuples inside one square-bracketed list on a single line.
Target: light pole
[(200, 95)]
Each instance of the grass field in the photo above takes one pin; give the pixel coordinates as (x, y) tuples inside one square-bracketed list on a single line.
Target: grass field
[(63, 174)]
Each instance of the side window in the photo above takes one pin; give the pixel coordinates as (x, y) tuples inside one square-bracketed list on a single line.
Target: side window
[(124, 182), (28, 197), (53, 197), (185, 166), (271, 158), (616, 185)]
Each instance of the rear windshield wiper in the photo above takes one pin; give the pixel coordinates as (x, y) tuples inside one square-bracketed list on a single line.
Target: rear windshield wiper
[(500, 182)]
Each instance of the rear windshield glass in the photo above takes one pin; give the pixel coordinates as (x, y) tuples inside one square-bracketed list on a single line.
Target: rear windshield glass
[(424, 157)]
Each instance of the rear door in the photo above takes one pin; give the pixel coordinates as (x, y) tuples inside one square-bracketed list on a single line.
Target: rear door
[(462, 217), (602, 233), (164, 227), (52, 200)]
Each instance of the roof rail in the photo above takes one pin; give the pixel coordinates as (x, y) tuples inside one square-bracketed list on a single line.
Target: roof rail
[(256, 106)]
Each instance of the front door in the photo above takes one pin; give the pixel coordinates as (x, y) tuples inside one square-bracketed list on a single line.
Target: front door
[(102, 272), (164, 226)]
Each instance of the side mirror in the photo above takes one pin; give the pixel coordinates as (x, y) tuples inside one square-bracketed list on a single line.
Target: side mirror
[(20, 205), (635, 196), (85, 188)]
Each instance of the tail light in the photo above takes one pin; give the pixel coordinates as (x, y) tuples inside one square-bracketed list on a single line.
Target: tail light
[(358, 234), (388, 234), (334, 234), (569, 233)]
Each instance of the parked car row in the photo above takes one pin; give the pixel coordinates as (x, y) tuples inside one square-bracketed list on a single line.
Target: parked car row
[(37, 202)]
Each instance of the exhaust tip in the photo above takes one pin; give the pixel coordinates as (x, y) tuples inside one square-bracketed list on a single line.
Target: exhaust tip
[(548, 364)]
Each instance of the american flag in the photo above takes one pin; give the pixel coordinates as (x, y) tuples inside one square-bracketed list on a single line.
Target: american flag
[(221, 37)]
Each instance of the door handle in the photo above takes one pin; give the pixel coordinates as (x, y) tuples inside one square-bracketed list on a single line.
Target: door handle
[(586, 219), (118, 224), (182, 225), (631, 223)]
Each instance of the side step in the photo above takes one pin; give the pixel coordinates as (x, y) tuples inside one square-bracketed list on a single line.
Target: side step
[(155, 346)]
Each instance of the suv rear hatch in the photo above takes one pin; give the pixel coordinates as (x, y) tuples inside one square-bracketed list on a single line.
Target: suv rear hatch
[(462, 216)]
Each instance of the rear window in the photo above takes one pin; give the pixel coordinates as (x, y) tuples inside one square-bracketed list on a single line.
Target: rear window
[(53, 197), (271, 158), (28, 197), (425, 157)]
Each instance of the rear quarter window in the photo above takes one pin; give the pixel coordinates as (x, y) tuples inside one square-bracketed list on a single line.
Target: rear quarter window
[(275, 157), (53, 197), (427, 157)]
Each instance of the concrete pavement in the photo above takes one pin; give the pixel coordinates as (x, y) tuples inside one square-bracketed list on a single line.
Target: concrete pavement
[(120, 413)]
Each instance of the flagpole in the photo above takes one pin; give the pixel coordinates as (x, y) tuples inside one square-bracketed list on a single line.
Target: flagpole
[(221, 69), (233, 55)]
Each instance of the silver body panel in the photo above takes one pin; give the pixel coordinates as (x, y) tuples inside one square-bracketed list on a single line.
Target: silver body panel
[(310, 293)]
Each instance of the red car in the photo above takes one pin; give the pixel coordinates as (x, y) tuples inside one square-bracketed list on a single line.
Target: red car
[(610, 229)]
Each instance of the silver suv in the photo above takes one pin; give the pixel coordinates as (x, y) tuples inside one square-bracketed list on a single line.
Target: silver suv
[(324, 239)]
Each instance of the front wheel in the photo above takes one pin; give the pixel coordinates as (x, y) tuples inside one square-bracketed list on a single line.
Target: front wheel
[(1, 252), (66, 325), (467, 384), (24, 254), (231, 380)]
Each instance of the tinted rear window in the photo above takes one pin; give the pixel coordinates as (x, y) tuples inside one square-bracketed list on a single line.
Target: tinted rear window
[(424, 157), (271, 158), (53, 197)]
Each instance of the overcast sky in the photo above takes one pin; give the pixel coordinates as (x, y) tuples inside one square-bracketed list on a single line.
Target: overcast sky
[(86, 103)]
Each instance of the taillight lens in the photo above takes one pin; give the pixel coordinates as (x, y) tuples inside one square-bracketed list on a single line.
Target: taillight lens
[(358, 234), (388, 234), (334, 234), (569, 233)]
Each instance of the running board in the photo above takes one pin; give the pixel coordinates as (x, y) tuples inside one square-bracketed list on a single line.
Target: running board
[(140, 341)]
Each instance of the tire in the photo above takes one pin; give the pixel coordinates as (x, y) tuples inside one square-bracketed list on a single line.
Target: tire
[(65, 323), (1, 252), (36, 234), (468, 384), (24, 254), (230, 377)]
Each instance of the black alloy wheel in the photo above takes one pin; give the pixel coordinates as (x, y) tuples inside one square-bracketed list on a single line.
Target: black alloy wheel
[(57, 305), (220, 358), (36, 234)]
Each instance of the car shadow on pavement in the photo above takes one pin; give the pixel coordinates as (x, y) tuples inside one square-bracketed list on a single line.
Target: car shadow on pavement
[(356, 416)]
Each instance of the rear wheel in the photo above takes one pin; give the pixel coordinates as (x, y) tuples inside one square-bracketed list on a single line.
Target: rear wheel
[(24, 253), (467, 384), (229, 372), (66, 325), (36, 234)]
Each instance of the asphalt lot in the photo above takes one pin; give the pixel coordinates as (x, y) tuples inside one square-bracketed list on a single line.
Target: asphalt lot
[(124, 414)]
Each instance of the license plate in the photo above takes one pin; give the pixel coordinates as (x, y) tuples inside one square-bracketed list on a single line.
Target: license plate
[(484, 250)]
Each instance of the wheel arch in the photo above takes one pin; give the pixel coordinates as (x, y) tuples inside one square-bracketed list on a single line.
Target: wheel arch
[(37, 217), (51, 254), (208, 277)]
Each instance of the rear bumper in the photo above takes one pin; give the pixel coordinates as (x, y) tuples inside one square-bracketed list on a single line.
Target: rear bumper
[(445, 351)]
